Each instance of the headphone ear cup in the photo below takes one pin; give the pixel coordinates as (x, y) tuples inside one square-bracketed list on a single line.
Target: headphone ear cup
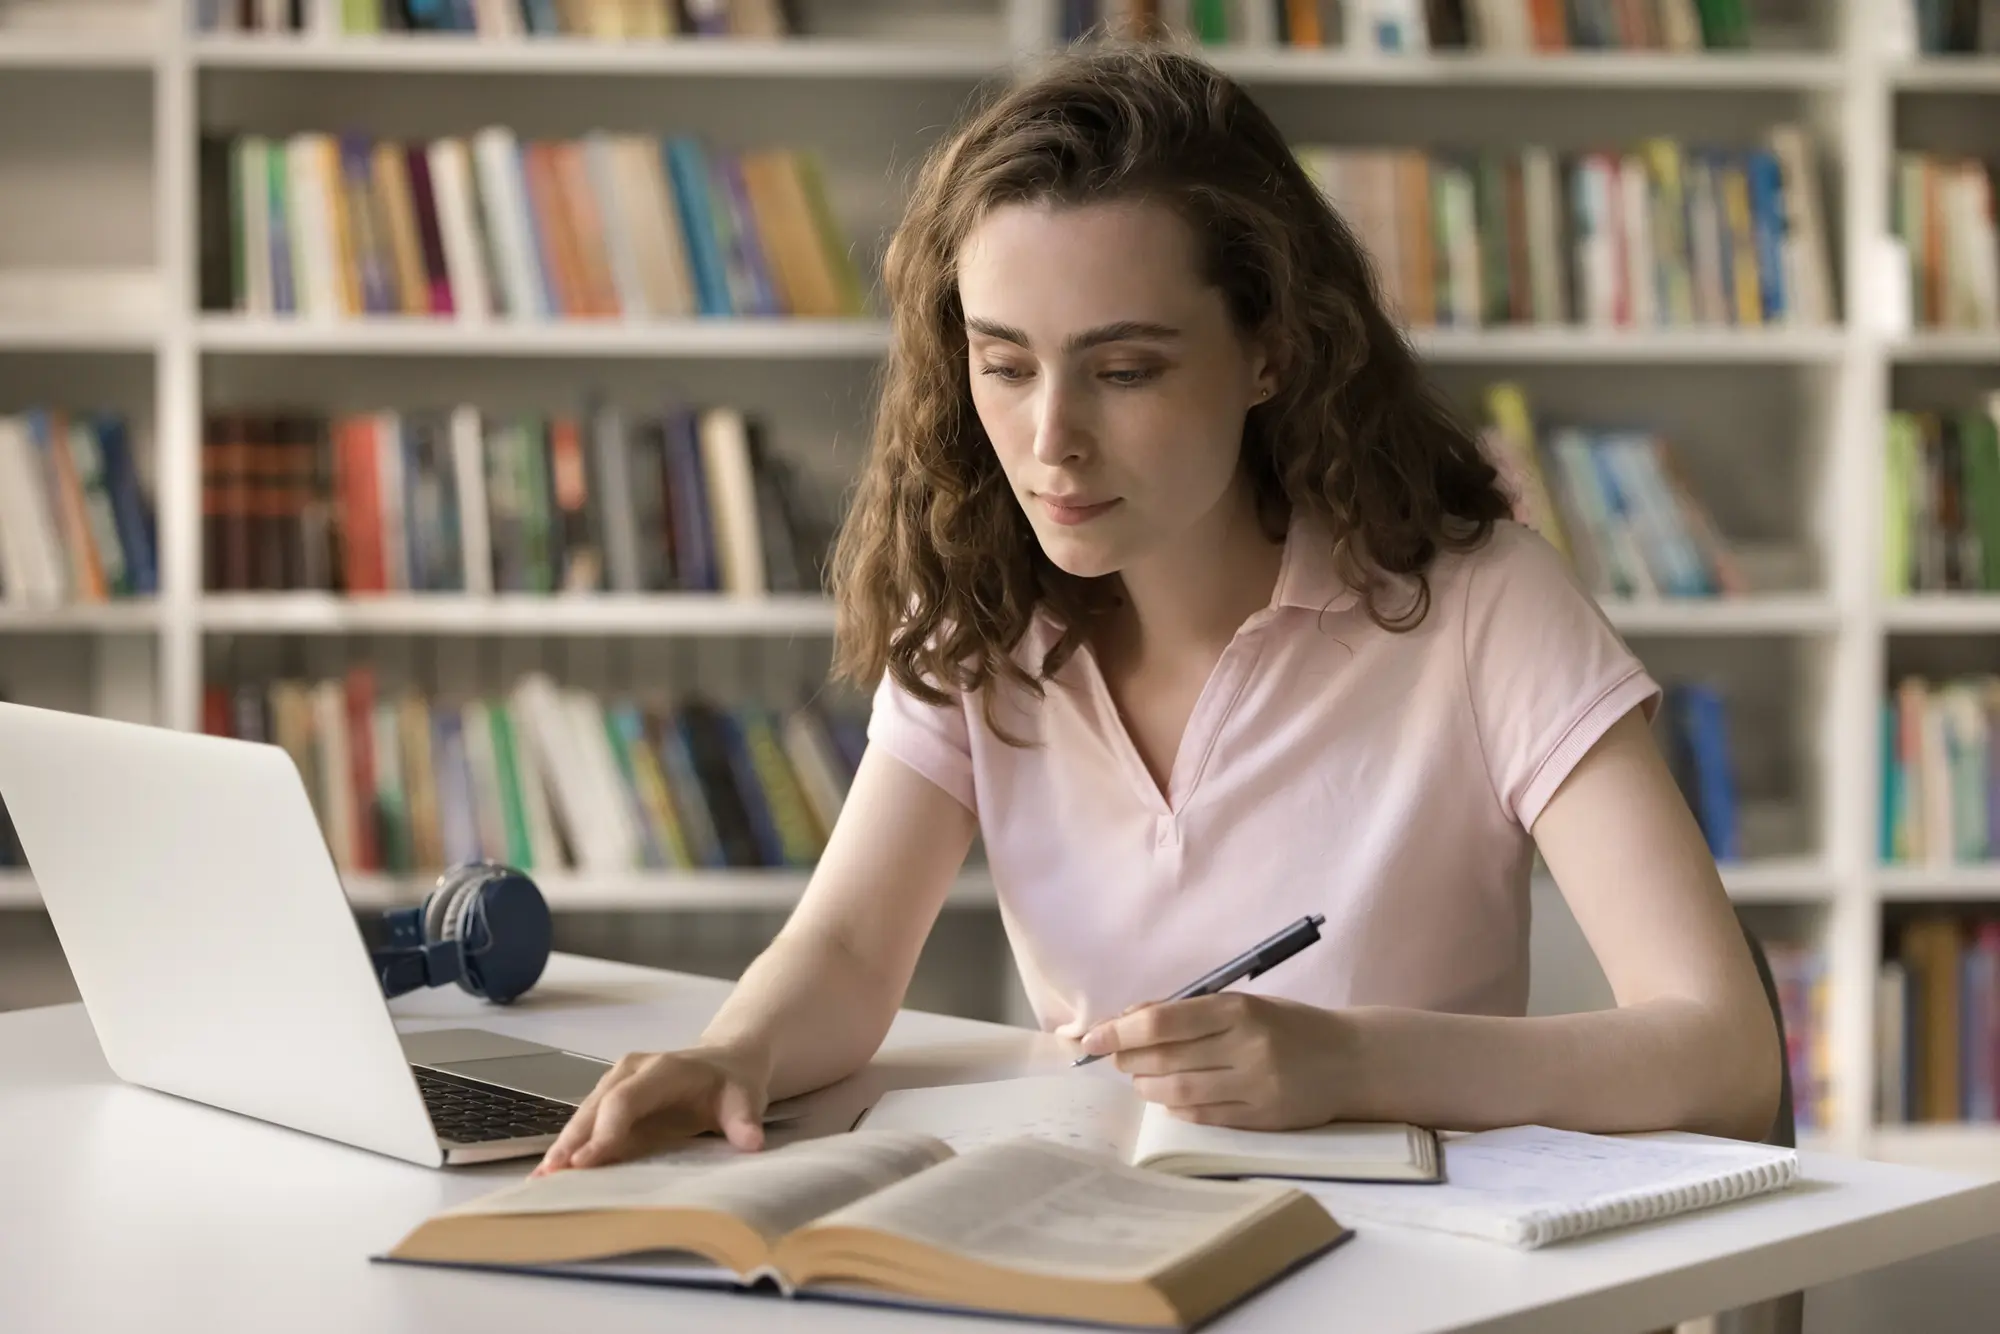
[(438, 903), (498, 922), (501, 924)]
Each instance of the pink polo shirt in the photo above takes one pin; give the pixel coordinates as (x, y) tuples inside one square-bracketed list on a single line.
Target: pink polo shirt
[(1386, 780)]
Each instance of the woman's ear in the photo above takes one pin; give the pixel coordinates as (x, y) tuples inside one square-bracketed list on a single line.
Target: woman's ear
[(1265, 368)]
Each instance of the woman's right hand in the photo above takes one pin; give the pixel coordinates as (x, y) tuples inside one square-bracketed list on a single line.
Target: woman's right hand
[(650, 1099)]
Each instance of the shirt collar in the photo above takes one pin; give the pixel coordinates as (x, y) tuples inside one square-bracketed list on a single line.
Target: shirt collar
[(1308, 577)]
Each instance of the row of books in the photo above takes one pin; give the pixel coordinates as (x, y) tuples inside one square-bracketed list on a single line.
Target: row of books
[(551, 777), (1941, 771), (1661, 234), (76, 518), (454, 500), (610, 20), (1421, 25), (1937, 1022), (1693, 727), (1800, 972), (1957, 27), (1944, 217), (609, 226), (1616, 503), (1941, 501)]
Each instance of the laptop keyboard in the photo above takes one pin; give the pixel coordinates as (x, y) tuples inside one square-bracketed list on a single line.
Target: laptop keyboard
[(465, 1112)]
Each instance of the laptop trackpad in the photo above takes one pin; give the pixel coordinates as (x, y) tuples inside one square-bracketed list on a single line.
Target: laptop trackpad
[(549, 1074)]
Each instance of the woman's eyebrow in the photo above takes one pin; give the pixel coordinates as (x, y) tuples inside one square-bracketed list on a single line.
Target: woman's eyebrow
[(1118, 332)]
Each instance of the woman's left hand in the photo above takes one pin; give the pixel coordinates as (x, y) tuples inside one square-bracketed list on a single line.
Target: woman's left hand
[(1234, 1059)]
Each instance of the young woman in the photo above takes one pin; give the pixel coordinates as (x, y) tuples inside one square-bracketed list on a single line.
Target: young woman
[(1185, 593)]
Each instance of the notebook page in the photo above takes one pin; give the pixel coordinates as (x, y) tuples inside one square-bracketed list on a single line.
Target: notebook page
[(1088, 1112), (1029, 1204), (773, 1192), (1530, 1185), (1357, 1148)]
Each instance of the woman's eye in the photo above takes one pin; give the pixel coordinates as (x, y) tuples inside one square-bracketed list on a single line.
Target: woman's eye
[(1005, 374), (1134, 376)]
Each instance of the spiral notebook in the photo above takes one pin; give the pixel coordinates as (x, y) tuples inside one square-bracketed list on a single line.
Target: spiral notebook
[(1530, 1186)]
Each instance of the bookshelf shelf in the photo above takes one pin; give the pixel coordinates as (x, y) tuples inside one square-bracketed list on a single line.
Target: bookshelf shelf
[(109, 309), (799, 338), (653, 891), (1970, 1147), (1947, 74), (512, 614), (1973, 881), (1971, 345), (740, 337), (808, 614), (644, 891), (734, 58), (1598, 69), (1773, 613), (81, 52), (136, 617), (1778, 880), (1582, 345), (1934, 613), (1771, 880), (27, 335)]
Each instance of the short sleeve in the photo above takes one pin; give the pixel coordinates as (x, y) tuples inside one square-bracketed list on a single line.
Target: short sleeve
[(933, 739), (1546, 672)]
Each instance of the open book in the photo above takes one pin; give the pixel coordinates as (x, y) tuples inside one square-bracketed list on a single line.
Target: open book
[(1022, 1228), (1101, 1114)]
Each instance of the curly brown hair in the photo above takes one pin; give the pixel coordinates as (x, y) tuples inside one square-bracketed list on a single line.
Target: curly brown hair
[(937, 573)]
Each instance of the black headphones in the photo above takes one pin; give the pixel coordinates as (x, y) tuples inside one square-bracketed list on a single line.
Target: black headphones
[(485, 926)]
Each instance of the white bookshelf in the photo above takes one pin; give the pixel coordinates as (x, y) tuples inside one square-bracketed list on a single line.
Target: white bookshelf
[(517, 614), (650, 892), (1787, 420), (735, 338)]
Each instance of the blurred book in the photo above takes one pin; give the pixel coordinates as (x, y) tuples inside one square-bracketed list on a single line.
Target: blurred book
[(604, 20), (551, 777), (1416, 26), (1616, 503), (459, 501), (605, 227), (1655, 235), (76, 514)]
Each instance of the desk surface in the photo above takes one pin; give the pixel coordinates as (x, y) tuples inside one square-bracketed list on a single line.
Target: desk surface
[(129, 1209)]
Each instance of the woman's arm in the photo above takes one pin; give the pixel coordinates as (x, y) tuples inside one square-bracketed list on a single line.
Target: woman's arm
[(1691, 1044), (815, 1005)]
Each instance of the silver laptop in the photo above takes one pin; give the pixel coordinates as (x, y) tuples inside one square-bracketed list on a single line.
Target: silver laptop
[(218, 959)]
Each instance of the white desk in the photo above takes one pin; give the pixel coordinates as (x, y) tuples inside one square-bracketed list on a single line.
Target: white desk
[(121, 1208)]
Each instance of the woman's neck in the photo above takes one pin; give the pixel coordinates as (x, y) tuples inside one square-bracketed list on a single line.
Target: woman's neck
[(1193, 596)]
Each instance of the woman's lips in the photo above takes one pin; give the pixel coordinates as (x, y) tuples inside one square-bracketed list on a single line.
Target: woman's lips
[(1070, 513)]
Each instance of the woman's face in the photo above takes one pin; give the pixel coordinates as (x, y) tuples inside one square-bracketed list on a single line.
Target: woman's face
[(1109, 377)]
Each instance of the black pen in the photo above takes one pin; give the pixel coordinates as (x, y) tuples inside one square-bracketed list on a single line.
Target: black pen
[(1248, 964)]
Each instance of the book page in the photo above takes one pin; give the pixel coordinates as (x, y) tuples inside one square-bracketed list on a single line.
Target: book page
[(1340, 1149), (1089, 1112), (1033, 1205), (773, 1191)]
